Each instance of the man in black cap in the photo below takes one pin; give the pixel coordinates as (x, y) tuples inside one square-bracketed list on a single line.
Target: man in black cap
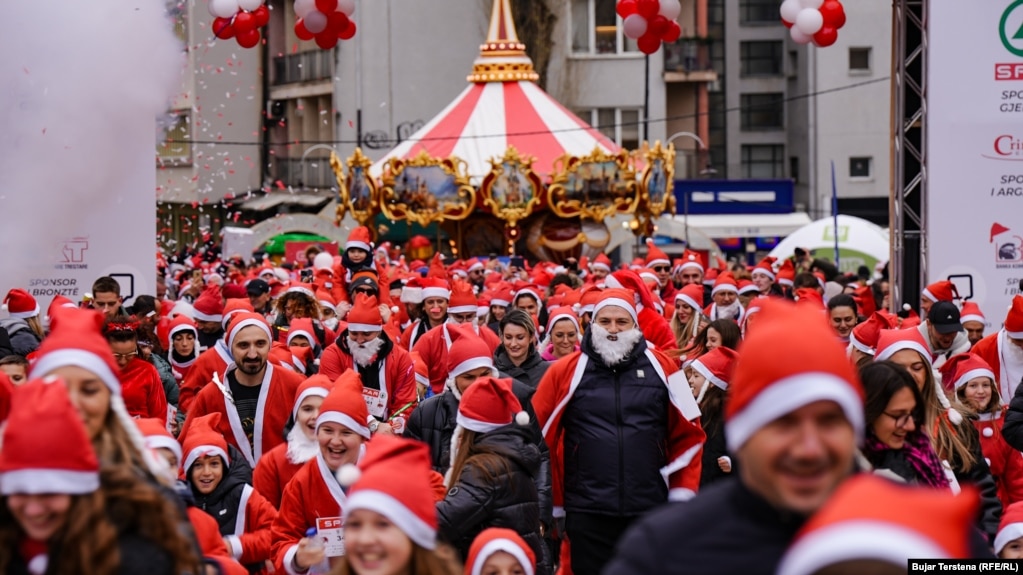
[(944, 332), (259, 295)]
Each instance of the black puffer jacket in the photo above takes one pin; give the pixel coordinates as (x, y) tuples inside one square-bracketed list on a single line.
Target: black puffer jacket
[(530, 372), (713, 448), (23, 340), (1012, 429), (508, 500), (433, 423), (979, 476), (222, 503)]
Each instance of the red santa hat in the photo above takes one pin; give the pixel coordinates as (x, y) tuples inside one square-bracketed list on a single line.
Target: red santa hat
[(308, 290), (46, 448), (971, 312), (865, 335), (467, 352), (747, 287), (911, 320), (181, 324), (810, 297), (864, 297), (601, 262), (716, 366), (76, 339), (766, 267), (892, 341), (496, 540), (871, 518), (725, 282), (412, 291), (326, 300), (1014, 319), (1010, 528), (234, 306), (437, 270), (345, 406), (421, 368), (489, 404), (617, 297), (303, 326), (786, 273), (435, 287), (156, 435), (394, 479), (649, 276), (588, 299), (691, 295), (209, 306), (59, 302), (19, 304), (365, 314), (527, 289), (242, 320), (203, 440), (234, 291), (503, 296), (463, 300), (560, 313), (689, 259), (943, 290), (360, 238), (318, 385), (961, 368), (765, 386), (655, 256), (710, 276)]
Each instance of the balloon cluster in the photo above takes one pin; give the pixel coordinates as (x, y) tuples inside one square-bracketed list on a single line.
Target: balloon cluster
[(650, 22), (814, 21), (326, 21), (239, 19)]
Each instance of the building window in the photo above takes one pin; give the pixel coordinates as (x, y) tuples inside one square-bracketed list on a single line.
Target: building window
[(758, 11), (861, 168), (176, 148), (859, 59), (597, 29), (620, 126), (762, 112), (760, 58), (763, 162)]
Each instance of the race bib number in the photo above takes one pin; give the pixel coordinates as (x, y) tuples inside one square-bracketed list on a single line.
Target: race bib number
[(330, 530), (376, 402)]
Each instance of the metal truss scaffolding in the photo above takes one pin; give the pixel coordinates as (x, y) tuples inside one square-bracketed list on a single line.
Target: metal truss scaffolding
[(908, 199)]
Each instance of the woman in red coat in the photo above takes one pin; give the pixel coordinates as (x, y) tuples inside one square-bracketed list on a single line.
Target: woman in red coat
[(140, 382), (183, 349)]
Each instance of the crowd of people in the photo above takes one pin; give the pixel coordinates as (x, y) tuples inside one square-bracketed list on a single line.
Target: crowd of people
[(365, 414)]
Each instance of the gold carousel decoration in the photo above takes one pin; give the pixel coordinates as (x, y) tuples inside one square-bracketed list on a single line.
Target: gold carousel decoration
[(656, 184), (512, 190), (357, 191), (425, 189), (594, 187)]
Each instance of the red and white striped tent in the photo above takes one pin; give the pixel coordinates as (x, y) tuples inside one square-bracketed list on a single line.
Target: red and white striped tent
[(503, 106)]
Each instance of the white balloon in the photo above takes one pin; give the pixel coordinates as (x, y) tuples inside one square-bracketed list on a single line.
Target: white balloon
[(790, 10), (346, 6), (315, 21), (304, 7), (809, 21), (798, 37), (249, 5), (811, 3), (224, 8), (670, 9), (634, 26)]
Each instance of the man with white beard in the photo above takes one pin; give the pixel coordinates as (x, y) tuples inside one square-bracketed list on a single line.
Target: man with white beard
[(388, 375), (725, 296), (1003, 351), (630, 447)]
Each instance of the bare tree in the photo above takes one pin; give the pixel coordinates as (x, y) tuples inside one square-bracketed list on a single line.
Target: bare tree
[(534, 21)]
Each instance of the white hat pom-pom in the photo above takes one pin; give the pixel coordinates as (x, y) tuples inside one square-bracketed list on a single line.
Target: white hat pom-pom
[(348, 475), (988, 432), (3, 307), (954, 416), (907, 307), (394, 309), (522, 418)]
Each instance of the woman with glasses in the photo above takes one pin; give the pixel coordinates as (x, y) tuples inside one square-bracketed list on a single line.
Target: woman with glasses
[(141, 387)]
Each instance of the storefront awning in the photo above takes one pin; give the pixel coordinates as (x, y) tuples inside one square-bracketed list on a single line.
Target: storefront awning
[(742, 225)]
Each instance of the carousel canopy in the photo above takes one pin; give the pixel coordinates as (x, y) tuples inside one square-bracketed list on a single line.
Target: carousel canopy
[(502, 107)]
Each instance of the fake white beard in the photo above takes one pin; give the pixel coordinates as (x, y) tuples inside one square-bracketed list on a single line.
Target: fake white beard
[(475, 323), (364, 354), (1013, 353), (300, 447), (614, 351), (730, 311)]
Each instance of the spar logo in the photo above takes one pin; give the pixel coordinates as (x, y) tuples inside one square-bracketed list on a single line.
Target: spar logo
[(1006, 147), (1010, 31)]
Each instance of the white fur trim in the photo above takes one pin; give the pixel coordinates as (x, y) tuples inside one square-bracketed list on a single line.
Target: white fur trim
[(477, 425), (471, 364), (506, 545), (927, 293), (202, 450), (463, 309), (289, 561), (973, 317), (789, 394), (765, 272), (24, 314), (1014, 334), (724, 287), (71, 356), (857, 540), (158, 441), (200, 316), (436, 292), (613, 301), (973, 373), (236, 544), (528, 292), (183, 327), (860, 345), (599, 266), (896, 347), (691, 264), (40, 481), (310, 392), (702, 369), (301, 290), (688, 301), (358, 245), (749, 289), (1006, 535), (385, 504), (293, 334), (364, 327), (658, 262), (411, 295), (680, 494), (236, 328), (499, 302), (342, 419)]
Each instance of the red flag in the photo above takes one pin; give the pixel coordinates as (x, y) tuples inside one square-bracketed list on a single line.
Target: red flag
[(997, 229)]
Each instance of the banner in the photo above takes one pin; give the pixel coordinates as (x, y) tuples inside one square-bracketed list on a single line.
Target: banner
[(975, 150)]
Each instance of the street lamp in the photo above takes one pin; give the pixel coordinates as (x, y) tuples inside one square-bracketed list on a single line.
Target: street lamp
[(708, 171)]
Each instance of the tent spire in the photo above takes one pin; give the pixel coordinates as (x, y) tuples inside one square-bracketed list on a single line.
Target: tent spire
[(503, 58)]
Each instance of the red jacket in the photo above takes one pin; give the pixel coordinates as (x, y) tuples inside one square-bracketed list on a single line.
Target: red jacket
[(207, 533), (398, 385), (213, 360), (273, 473), (276, 397), (1005, 462), (656, 329), (251, 541), (989, 350), (433, 348), (142, 390)]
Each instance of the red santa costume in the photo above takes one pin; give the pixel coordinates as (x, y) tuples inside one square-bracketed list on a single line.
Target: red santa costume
[(1004, 357), (655, 257), (725, 282), (416, 291), (278, 466), (207, 534), (142, 390), (276, 395), (212, 361), (181, 365), (656, 329)]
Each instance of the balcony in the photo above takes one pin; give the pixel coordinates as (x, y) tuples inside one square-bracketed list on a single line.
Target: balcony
[(311, 66), (303, 175), (688, 60)]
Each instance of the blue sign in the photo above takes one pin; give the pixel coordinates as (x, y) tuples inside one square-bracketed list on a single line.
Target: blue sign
[(734, 197)]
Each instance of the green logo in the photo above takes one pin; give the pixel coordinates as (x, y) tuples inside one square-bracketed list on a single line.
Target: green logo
[(1011, 34)]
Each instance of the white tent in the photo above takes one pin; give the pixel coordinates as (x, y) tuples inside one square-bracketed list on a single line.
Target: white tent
[(860, 243)]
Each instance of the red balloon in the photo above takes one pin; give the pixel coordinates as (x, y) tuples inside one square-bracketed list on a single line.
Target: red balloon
[(248, 39), (833, 13), (348, 32), (648, 43), (787, 23), (244, 22), (626, 8), (336, 22), (825, 37), (673, 34), (223, 29), (326, 40), (648, 8), (302, 32), (262, 16), (658, 26), (326, 6)]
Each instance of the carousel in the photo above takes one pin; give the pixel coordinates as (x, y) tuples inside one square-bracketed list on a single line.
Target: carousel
[(508, 170)]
